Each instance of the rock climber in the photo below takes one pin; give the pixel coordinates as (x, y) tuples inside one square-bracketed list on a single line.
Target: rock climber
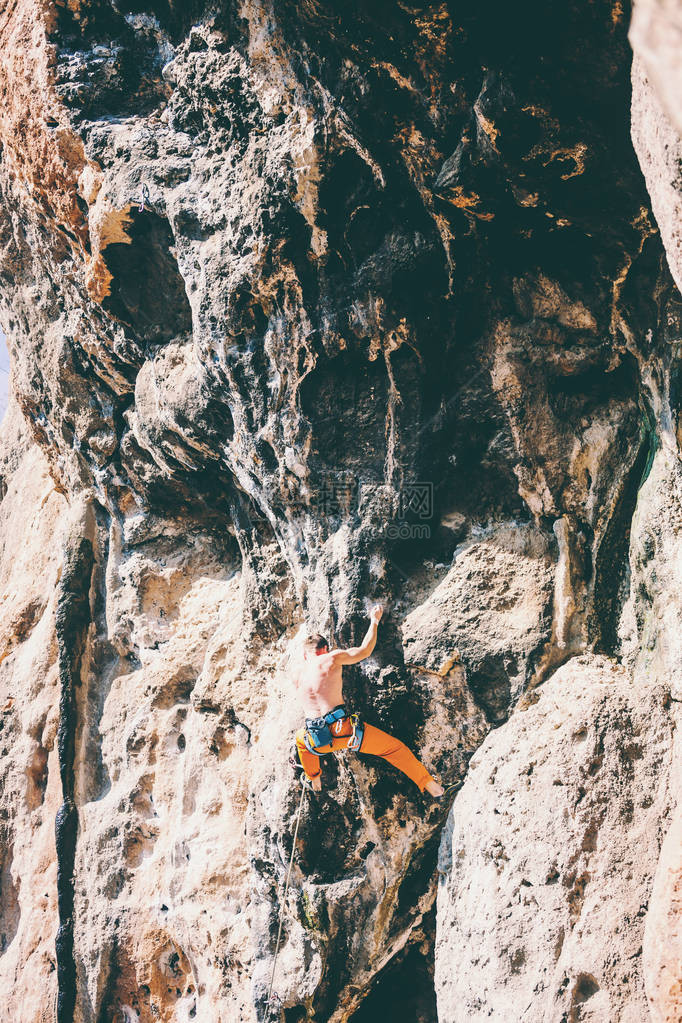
[(328, 724)]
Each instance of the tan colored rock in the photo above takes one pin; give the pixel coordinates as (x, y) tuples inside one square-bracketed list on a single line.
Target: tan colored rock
[(162, 869), (46, 155), (492, 611), (656, 37), (659, 148), (662, 952), (33, 517), (652, 619), (548, 857), (651, 631)]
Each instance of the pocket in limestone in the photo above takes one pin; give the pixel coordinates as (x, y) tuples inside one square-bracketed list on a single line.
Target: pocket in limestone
[(146, 290)]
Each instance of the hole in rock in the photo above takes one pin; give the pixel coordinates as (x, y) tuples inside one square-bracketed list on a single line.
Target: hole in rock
[(345, 399), (147, 290), (584, 988), (36, 772), (581, 394), (491, 687), (404, 989), (267, 455)]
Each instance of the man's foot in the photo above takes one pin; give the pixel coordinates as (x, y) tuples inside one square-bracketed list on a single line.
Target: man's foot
[(434, 789), (317, 783)]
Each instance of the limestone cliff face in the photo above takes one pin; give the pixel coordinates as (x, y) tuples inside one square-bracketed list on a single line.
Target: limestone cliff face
[(311, 305)]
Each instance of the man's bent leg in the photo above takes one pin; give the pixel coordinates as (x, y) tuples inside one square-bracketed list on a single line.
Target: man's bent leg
[(381, 744), (309, 762)]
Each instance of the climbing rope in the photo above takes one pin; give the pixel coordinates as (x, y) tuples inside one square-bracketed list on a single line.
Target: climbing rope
[(284, 899), (144, 200), (456, 785)]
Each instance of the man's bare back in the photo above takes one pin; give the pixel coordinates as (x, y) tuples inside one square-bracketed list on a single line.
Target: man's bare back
[(320, 685)]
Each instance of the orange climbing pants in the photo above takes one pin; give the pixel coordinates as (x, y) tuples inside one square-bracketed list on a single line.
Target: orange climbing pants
[(374, 741)]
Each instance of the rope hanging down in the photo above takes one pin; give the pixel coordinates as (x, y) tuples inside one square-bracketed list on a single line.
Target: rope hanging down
[(284, 899), (144, 200)]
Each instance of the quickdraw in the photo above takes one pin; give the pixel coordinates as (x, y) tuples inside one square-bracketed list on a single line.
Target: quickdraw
[(144, 200), (358, 734)]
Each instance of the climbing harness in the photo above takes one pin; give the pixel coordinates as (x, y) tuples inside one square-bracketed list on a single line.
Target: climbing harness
[(318, 731), (304, 786)]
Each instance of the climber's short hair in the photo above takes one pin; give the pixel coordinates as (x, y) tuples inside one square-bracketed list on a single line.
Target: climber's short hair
[(315, 642)]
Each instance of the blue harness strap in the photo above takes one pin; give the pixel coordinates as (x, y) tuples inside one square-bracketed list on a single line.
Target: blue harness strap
[(336, 714), (309, 746)]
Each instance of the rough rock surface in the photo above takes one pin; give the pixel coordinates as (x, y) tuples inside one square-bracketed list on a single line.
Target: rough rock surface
[(651, 626), (492, 612), (311, 305), (662, 950), (33, 519), (547, 862)]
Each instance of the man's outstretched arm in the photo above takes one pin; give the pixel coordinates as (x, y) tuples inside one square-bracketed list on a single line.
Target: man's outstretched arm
[(358, 653)]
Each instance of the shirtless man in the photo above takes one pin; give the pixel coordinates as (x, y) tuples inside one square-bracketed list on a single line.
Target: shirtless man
[(329, 726)]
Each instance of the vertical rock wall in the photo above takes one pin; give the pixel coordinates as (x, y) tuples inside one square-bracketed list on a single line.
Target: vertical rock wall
[(311, 305)]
